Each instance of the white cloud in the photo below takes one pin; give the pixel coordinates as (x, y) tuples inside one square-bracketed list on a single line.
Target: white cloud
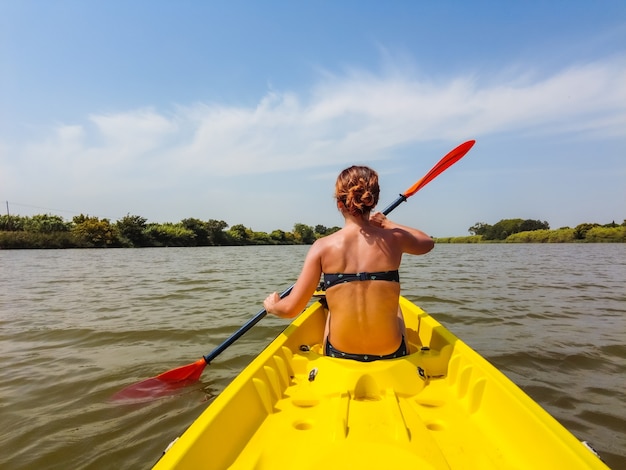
[(135, 131), (589, 97), (358, 115)]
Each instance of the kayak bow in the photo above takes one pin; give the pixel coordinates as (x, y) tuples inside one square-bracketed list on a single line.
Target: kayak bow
[(441, 407)]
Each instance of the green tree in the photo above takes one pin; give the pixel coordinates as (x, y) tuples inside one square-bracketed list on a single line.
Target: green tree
[(93, 232), (278, 236), (479, 228), (169, 234), (304, 233), (240, 234), (504, 228), (199, 228), (321, 230), (133, 229), (216, 234), (529, 225), (261, 238), (580, 231), (46, 223), (13, 223)]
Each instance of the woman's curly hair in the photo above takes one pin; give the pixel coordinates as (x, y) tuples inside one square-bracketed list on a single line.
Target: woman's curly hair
[(357, 188)]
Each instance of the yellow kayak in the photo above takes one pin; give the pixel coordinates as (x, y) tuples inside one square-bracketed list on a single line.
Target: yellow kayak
[(441, 407)]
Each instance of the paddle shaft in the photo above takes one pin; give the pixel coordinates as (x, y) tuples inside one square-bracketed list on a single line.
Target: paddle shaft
[(395, 204), (242, 330), (452, 157)]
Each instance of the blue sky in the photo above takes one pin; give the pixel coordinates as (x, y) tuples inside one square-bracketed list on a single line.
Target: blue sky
[(246, 111)]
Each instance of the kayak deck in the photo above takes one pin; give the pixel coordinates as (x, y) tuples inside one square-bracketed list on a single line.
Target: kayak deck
[(441, 407)]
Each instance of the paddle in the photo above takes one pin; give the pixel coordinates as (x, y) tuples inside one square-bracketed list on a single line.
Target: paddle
[(176, 378), (442, 165)]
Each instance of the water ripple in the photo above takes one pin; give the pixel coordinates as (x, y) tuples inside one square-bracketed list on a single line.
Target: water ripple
[(76, 326)]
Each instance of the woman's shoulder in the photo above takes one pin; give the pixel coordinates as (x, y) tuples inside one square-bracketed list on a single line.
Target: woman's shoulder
[(329, 240), (333, 245)]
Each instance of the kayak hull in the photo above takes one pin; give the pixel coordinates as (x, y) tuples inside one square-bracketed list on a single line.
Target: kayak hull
[(441, 407)]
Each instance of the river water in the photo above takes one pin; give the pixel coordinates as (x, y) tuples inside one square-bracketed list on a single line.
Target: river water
[(76, 326)]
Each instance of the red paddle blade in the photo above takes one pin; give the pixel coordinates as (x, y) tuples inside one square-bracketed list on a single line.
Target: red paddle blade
[(442, 165), (162, 385), (148, 390), (186, 373)]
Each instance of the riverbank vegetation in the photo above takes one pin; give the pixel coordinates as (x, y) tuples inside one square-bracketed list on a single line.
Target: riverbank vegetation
[(133, 231), (535, 231)]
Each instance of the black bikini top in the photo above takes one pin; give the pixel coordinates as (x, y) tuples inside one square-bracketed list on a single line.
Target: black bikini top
[(331, 280)]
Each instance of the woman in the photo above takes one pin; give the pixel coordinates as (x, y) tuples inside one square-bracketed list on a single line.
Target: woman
[(364, 322)]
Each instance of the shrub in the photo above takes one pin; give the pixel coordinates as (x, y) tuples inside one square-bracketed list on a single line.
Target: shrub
[(36, 240), (469, 239), (171, 235), (93, 232), (565, 235), (605, 234)]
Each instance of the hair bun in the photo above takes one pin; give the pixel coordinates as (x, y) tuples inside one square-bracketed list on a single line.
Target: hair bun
[(357, 187)]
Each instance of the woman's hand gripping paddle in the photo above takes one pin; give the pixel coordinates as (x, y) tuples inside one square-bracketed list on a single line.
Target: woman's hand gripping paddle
[(174, 379)]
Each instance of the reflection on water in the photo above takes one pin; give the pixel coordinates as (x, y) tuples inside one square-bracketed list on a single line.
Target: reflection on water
[(77, 326)]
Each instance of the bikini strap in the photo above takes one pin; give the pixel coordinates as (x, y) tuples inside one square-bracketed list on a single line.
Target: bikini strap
[(331, 280)]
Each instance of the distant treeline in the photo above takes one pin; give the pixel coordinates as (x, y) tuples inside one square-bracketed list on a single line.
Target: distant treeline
[(133, 231), (536, 231)]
